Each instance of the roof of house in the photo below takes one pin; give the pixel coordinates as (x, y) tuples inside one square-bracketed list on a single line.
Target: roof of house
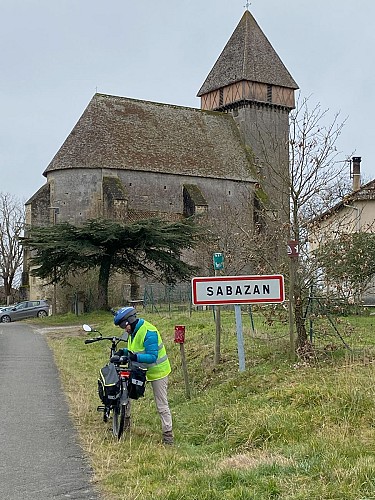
[(248, 55), (128, 134), (365, 193)]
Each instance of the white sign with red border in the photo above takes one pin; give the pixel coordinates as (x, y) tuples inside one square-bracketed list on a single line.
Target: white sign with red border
[(219, 290)]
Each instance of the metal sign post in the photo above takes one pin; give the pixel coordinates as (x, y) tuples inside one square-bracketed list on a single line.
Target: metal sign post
[(240, 343), (218, 261)]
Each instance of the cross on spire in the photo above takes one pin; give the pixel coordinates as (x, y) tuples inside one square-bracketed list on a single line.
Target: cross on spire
[(247, 5)]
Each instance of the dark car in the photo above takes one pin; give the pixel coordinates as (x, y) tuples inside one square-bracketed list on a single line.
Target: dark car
[(23, 310)]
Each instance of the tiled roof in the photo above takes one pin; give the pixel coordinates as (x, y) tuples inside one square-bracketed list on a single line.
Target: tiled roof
[(121, 133), (365, 193), (248, 55)]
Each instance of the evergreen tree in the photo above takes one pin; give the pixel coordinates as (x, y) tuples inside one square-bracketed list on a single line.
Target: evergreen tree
[(149, 247)]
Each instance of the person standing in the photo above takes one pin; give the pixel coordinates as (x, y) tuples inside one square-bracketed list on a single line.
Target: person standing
[(146, 350)]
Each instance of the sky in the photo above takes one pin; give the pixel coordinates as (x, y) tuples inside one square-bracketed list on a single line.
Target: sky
[(55, 54)]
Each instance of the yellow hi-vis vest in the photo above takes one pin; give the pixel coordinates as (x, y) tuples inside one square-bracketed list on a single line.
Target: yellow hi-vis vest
[(161, 368)]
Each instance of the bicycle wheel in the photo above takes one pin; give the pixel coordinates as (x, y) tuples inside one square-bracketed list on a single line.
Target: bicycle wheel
[(118, 420)]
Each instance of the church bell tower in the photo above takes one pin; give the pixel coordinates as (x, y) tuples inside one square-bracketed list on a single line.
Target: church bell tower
[(250, 81)]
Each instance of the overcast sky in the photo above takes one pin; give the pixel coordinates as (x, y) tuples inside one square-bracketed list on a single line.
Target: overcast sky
[(55, 54)]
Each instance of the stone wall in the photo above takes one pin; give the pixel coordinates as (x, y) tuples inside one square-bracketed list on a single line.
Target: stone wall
[(82, 194)]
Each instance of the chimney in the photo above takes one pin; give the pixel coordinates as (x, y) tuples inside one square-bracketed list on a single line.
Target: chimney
[(356, 172)]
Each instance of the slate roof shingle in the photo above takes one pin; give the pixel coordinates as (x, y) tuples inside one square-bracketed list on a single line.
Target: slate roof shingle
[(248, 55), (129, 134)]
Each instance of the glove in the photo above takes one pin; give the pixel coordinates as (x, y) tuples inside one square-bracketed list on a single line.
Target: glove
[(120, 352), (132, 356), (115, 358)]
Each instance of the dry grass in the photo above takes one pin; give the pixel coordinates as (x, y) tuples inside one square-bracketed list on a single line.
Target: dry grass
[(254, 459), (279, 430)]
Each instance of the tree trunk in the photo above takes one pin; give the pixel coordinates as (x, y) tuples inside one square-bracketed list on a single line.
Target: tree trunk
[(7, 287), (300, 324), (134, 287), (104, 272)]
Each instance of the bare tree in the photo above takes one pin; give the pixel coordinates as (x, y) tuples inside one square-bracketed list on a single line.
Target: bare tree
[(12, 218), (317, 181), (289, 195), (312, 181), (248, 233)]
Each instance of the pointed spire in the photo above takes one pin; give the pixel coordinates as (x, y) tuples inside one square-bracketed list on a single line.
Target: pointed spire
[(248, 55)]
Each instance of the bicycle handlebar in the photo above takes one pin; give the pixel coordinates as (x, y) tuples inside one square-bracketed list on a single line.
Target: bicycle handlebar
[(97, 339), (89, 341)]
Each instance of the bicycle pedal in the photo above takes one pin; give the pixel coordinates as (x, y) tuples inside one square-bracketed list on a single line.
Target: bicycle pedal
[(100, 408)]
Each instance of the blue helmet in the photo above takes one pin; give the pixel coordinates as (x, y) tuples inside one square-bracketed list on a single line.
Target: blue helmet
[(125, 314)]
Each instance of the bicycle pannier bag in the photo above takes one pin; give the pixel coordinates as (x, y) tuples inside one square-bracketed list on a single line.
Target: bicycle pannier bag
[(109, 384), (137, 383)]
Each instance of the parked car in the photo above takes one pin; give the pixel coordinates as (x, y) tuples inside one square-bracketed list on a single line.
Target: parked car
[(5, 308), (23, 310)]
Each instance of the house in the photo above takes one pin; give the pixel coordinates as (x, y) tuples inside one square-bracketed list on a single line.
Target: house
[(128, 159), (354, 213)]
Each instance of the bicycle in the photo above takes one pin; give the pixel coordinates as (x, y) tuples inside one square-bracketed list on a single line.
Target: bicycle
[(117, 404)]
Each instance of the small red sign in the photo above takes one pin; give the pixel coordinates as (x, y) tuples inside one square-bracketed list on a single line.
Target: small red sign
[(293, 248), (179, 334)]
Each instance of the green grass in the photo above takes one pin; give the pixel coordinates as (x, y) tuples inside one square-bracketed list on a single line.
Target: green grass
[(278, 430)]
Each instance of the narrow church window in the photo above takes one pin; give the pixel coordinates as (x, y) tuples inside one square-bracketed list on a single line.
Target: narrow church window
[(165, 187), (269, 93), (229, 193), (189, 208), (130, 183)]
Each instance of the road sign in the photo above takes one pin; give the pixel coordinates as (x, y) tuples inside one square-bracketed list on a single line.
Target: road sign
[(292, 248), (218, 259), (219, 290)]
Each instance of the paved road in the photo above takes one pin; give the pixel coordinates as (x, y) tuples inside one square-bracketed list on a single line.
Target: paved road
[(40, 458)]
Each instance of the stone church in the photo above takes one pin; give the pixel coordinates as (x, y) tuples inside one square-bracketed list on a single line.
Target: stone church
[(129, 159)]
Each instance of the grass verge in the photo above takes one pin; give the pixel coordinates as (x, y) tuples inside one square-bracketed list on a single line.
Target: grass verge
[(277, 430)]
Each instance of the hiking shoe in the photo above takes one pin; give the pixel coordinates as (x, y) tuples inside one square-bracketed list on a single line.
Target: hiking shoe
[(168, 438)]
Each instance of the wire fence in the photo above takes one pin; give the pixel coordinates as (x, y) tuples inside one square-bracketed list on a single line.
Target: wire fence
[(331, 325), (167, 298)]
